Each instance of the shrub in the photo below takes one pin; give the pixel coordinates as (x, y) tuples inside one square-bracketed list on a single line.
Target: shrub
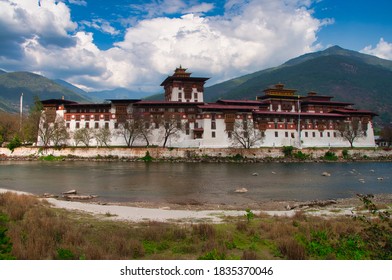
[(147, 157), (378, 231), (300, 155), (345, 154), (288, 151), (330, 156), (237, 157), (65, 254), (213, 255), (249, 215), (15, 143), (5, 242)]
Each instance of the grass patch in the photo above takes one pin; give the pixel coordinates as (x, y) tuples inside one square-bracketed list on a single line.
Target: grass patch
[(51, 158)]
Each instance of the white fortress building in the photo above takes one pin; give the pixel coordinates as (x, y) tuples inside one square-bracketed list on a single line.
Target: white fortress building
[(278, 118)]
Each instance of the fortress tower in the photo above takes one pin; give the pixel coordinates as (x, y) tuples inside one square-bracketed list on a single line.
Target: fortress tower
[(182, 87)]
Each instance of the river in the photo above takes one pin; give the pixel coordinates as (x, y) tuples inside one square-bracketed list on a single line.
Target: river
[(198, 182)]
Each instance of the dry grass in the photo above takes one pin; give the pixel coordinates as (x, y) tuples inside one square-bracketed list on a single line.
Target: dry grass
[(38, 231)]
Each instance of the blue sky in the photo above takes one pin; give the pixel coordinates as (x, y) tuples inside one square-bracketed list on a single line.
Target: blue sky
[(100, 44)]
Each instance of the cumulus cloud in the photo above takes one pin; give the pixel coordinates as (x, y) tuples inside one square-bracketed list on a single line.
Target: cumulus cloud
[(251, 35), (382, 50)]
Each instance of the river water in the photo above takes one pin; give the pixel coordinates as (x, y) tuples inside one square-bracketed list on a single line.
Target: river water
[(198, 182)]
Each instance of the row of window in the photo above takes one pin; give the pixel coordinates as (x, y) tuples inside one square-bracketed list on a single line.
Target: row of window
[(322, 134), (87, 125)]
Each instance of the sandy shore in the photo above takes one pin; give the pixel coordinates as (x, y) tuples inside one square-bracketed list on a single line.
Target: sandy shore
[(179, 213)]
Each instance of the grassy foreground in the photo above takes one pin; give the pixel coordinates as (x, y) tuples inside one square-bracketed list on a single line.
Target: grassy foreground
[(31, 229)]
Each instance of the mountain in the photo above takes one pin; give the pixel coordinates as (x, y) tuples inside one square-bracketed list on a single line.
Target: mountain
[(347, 75), (12, 85), (71, 87)]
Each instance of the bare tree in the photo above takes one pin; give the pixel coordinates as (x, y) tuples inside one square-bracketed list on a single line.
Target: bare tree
[(172, 127), (84, 135), (386, 134), (31, 124), (244, 134), (144, 129), (8, 126), (103, 136), (351, 130), (45, 131), (129, 130), (60, 133)]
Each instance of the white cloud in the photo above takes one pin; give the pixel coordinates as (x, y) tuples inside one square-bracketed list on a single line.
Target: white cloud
[(250, 36), (382, 50), (101, 25), (259, 34), (78, 2), (200, 8)]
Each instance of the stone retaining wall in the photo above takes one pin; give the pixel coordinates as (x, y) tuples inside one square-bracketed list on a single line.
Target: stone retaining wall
[(184, 153)]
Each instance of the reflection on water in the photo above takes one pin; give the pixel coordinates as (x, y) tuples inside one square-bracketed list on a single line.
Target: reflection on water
[(198, 182)]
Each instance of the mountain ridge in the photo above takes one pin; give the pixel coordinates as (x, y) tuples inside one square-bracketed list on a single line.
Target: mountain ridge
[(347, 75)]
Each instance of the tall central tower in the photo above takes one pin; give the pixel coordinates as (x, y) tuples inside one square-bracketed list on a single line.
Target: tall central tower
[(182, 87)]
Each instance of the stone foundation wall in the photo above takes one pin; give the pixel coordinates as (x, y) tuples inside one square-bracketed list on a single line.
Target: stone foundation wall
[(185, 153)]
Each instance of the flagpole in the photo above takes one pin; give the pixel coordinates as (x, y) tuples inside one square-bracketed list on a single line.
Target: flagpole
[(21, 111)]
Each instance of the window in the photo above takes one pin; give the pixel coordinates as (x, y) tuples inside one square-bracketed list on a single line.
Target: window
[(276, 134), (213, 125), (96, 125), (314, 134), (213, 134), (306, 134), (77, 125), (334, 134), (321, 134), (106, 125), (116, 125), (286, 134), (87, 125), (229, 134), (329, 134), (67, 124), (179, 95)]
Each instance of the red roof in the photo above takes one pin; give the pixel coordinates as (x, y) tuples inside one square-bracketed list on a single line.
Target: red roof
[(354, 111), (305, 114), (228, 107)]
